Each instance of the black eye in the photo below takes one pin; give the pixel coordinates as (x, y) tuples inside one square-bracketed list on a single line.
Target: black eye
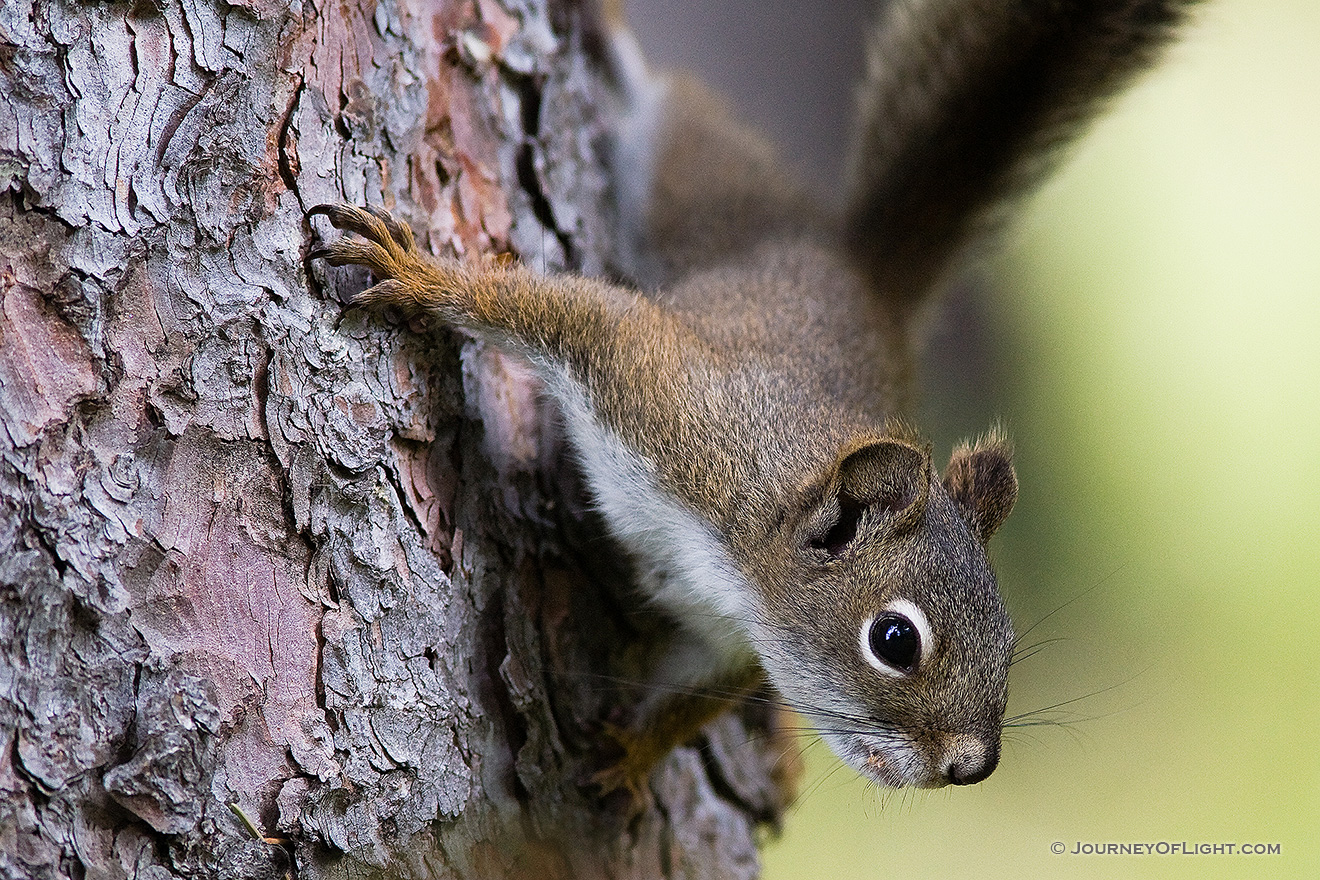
[(895, 641)]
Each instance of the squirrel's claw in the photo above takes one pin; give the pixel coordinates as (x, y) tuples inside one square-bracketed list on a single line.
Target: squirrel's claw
[(354, 252), (387, 248), (376, 225)]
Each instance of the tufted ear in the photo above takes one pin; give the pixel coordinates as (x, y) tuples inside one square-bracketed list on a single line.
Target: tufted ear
[(981, 480), (889, 477)]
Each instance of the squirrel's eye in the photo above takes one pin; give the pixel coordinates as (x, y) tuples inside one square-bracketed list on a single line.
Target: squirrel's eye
[(895, 640)]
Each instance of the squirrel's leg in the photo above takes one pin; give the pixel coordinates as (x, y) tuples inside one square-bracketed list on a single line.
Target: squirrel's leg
[(599, 345), (572, 320), (669, 721)]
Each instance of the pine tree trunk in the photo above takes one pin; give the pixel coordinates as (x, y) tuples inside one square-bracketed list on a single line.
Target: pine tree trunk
[(260, 548)]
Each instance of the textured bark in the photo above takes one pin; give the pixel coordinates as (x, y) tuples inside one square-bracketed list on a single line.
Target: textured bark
[(259, 548)]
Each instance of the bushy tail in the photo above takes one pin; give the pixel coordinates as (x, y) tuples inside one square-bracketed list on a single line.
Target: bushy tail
[(965, 103)]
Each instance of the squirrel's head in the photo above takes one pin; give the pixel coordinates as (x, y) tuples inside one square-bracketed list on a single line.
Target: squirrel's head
[(887, 628)]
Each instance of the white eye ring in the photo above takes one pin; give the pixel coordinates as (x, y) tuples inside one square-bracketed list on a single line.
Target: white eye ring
[(911, 612)]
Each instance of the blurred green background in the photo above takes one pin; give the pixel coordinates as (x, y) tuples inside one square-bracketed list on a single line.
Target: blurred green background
[(1150, 335), (1153, 330)]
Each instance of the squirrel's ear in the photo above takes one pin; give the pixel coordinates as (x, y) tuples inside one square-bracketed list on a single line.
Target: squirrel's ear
[(981, 480), (890, 477)]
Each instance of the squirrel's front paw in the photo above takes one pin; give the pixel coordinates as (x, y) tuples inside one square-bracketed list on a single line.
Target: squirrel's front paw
[(386, 247)]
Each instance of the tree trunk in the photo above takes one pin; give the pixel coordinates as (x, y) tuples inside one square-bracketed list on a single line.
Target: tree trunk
[(260, 548)]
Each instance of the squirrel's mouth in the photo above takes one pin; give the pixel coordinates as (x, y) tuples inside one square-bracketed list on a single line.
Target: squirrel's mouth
[(899, 766), (888, 760), (878, 767)]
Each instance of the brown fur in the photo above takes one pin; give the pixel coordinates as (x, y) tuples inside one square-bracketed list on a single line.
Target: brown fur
[(760, 387)]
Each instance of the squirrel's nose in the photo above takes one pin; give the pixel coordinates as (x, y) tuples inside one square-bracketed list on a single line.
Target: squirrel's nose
[(970, 760)]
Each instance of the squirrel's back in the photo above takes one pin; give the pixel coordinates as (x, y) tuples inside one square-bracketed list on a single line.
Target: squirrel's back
[(716, 229)]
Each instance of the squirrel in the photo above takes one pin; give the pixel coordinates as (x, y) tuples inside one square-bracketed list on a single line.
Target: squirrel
[(739, 412)]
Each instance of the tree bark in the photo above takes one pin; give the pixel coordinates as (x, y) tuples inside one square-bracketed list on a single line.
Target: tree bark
[(261, 548)]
